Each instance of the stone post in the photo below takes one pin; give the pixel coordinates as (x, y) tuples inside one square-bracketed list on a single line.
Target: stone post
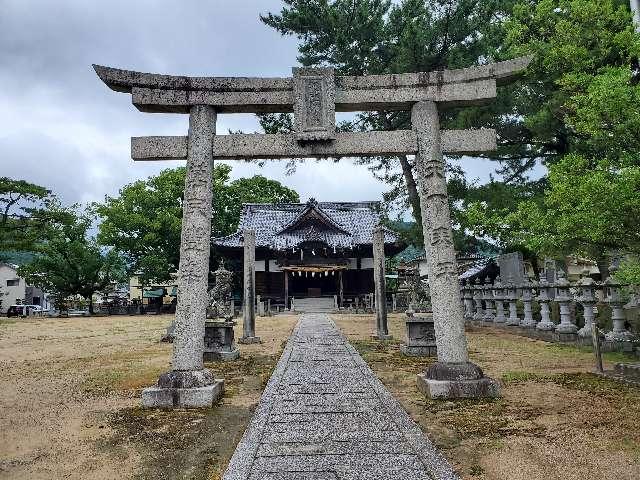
[(513, 320), (189, 384), (545, 324), (588, 300), (453, 375), (249, 300), (527, 299), (564, 298), (379, 271), (498, 296)]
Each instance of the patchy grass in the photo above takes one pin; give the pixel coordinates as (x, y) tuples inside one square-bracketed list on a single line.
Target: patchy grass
[(71, 395), (555, 419)]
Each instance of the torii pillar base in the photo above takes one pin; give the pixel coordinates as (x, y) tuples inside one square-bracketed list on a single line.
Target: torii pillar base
[(444, 381), (184, 389)]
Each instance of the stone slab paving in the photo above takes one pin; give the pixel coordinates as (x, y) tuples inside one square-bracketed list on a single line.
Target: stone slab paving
[(324, 415)]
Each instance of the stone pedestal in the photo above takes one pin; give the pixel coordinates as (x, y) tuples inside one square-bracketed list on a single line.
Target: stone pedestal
[(453, 376), (219, 342), (421, 337)]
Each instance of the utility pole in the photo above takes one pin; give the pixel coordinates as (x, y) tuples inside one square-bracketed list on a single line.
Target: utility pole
[(635, 9)]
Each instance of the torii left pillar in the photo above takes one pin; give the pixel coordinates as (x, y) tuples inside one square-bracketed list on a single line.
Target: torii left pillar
[(189, 384)]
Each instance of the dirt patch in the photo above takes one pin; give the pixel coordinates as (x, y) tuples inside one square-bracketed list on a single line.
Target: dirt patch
[(70, 394), (556, 420)]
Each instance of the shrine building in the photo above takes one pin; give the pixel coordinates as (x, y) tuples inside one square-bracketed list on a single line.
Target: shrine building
[(312, 250)]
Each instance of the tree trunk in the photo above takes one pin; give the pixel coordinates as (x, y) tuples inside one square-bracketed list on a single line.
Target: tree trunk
[(90, 304), (412, 188)]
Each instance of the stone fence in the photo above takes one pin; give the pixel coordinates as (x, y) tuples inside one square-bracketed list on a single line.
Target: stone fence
[(558, 311)]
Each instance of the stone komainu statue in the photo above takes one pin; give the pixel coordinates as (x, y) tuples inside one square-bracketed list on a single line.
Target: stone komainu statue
[(220, 295)]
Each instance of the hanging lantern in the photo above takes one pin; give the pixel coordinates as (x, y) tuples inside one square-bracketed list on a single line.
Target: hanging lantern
[(334, 250), (313, 252), (326, 274), (313, 274)]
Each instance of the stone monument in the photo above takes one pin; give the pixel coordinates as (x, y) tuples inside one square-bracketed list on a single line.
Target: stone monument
[(421, 336), (314, 95)]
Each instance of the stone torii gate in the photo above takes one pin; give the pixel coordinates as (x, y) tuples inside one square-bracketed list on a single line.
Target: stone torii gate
[(314, 95)]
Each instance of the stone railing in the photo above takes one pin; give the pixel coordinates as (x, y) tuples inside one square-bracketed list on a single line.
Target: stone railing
[(558, 311)]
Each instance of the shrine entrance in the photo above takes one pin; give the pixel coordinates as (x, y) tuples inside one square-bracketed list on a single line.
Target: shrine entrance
[(314, 95)]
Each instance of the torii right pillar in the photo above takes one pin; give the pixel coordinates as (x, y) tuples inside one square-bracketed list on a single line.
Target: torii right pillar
[(453, 375)]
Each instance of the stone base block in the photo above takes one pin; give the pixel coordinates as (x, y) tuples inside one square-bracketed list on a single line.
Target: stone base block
[(249, 340), (221, 356), (563, 337), (196, 397), (419, 351), (450, 389), (381, 338)]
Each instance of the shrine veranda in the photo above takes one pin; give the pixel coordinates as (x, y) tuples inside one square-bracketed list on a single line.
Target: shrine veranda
[(314, 95)]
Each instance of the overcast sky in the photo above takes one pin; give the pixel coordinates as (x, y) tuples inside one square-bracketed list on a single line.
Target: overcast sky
[(61, 127)]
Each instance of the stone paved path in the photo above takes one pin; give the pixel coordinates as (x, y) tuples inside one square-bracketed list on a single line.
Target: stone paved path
[(324, 415)]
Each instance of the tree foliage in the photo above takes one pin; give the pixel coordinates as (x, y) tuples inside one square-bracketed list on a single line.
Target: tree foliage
[(23, 208), (69, 262), (144, 221)]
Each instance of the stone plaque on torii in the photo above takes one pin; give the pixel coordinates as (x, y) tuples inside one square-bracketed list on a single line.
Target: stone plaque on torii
[(314, 95)]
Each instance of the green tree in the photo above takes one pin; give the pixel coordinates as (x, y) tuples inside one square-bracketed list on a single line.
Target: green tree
[(22, 214), (144, 221), (69, 262), (584, 85), (365, 37)]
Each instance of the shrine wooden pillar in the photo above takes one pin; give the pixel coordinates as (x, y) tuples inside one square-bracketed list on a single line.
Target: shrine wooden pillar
[(286, 289)]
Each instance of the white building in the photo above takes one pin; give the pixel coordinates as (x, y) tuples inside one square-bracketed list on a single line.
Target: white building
[(14, 289)]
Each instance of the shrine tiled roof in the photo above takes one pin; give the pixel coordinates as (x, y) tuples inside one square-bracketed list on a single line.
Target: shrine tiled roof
[(282, 226)]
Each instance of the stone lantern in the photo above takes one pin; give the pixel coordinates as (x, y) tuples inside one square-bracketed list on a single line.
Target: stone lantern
[(488, 302), (564, 299), (467, 296), (499, 296), (545, 324), (588, 300), (512, 295), (615, 301), (527, 299), (477, 298)]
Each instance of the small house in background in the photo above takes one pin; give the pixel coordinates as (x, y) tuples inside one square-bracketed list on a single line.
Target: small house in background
[(14, 290), (317, 250), (158, 297)]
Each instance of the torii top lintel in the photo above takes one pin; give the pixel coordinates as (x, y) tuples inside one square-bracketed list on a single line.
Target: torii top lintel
[(176, 94), (313, 95)]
